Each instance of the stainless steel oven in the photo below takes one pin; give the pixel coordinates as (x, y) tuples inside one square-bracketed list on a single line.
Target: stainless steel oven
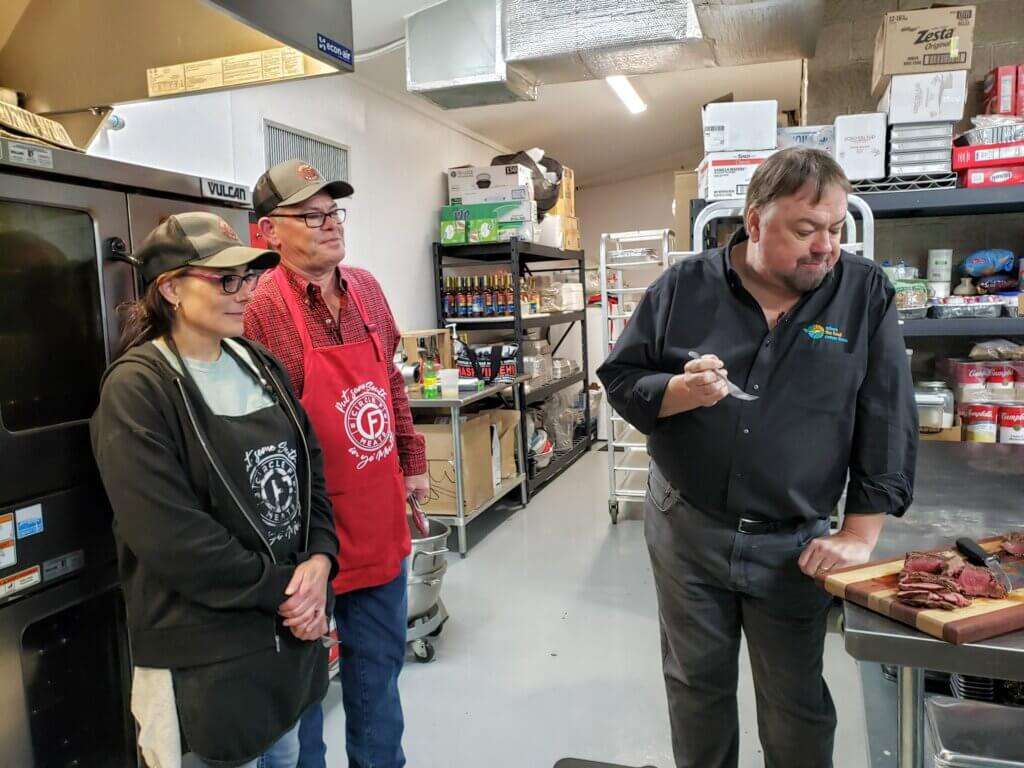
[(64, 656)]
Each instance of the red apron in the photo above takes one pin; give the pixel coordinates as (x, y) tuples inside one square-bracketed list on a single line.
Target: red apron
[(347, 395)]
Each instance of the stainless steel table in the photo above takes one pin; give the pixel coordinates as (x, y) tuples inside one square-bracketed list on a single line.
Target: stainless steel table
[(961, 489), (454, 406)]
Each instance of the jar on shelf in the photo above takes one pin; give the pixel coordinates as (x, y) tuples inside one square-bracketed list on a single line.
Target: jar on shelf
[(938, 389)]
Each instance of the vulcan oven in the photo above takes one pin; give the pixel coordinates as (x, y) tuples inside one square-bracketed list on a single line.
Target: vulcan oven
[(64, 656)]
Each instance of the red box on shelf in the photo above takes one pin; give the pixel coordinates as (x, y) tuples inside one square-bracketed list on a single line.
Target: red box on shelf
[(988, 155), (1000, 176), (1020, 90), (1001, 91)]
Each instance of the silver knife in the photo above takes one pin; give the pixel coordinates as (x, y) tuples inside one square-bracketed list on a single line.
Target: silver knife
[(734, 390), (978, 555)]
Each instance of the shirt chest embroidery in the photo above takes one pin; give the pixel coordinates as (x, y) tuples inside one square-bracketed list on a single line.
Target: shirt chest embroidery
[(827, 333)]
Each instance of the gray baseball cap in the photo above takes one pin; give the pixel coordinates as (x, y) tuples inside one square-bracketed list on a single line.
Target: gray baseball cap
[(291, 182), (196, 239)]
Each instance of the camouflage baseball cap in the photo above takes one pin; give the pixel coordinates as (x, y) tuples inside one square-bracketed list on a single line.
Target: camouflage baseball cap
[(291, 182), (196, 239)]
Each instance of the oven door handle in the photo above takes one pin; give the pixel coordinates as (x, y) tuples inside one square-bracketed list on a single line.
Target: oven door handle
[(117, 250)]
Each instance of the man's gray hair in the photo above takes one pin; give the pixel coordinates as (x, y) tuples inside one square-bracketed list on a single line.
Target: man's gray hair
[(786, 172)]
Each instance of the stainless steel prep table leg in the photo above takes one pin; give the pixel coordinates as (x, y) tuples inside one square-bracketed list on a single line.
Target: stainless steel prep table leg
[(910, 713), (459, 494)]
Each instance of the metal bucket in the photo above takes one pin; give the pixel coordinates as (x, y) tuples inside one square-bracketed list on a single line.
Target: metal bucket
[(426, 567), (428, 550), (425, 591)]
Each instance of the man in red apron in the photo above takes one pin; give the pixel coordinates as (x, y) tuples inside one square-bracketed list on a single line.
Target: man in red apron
[(332, 329)]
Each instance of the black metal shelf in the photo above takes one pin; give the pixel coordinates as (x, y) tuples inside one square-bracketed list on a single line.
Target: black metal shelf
[(931, 202), (543, 393), (502, 252), (945, 202), (544, 321), (965, 326), (559, 463)]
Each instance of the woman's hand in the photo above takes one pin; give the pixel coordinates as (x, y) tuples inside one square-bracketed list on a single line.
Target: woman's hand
[(303, 611), (315, 630)]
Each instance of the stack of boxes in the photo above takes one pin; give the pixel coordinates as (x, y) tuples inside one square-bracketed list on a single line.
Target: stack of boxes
[(994, 156), (920, 74), (488, 204), (495, 203), (738, 137)]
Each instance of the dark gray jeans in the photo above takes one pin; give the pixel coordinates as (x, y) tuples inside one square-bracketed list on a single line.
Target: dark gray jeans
[(712, 582)]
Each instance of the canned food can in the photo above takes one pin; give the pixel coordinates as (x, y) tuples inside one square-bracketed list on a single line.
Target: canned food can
[(1011, 423), (970, 377), (980, 422), (1000, 380)]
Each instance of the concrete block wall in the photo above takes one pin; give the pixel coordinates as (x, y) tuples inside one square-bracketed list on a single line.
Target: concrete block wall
[(839, 76)]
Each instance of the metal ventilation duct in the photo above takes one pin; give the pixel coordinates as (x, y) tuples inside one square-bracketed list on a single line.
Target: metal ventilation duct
[(463, 53), (557, 41), (453, 56)]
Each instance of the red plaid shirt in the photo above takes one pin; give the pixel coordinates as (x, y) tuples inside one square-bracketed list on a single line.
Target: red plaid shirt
[(267, 321)]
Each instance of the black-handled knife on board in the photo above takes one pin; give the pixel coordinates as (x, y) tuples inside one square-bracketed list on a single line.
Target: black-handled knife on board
[(977, 554)]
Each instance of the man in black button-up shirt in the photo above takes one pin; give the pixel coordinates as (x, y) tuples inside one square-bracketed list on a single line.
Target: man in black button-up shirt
[(740, 491)]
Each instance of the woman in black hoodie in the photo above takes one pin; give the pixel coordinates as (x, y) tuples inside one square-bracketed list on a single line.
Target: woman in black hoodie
[(224, 531)]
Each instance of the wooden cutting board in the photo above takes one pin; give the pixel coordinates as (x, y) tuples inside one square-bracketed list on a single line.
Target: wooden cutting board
[(873, 586)]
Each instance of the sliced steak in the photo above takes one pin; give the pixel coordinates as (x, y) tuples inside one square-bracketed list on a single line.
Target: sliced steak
[(1013, 543), (980, 582), (954, 564), (924, 562)]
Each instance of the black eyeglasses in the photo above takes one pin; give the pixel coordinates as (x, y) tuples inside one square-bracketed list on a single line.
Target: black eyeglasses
[(315, 219), (229, 284)]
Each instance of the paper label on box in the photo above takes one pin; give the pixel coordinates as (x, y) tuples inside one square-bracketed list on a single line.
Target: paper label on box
[(29, 154), (6, 528), (164, 81), (29, 520), (715, 138), (16, 582), (63, 565)]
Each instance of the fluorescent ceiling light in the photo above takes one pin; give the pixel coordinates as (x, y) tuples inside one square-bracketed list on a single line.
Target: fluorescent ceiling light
[(625, 91)]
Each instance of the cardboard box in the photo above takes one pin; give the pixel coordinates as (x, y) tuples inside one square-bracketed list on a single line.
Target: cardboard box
[(920, 145), (496, 195), (988, 155), (686, 190), (474, 178), (573, 238), (1020, 90), (510, 211), (1000, 91), (811, 136), (999, 176), (922, 131), (453, 232), (483, 231), (932, 156), (860, 145), (740, 125), (952, 435), (434, 338), (932, 97), (505, 430), (726, 175), (910, 42), (918, 169), (477, 485), (566, 205)]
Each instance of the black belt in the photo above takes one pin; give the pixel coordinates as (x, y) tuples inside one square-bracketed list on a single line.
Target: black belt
[(758, 527)]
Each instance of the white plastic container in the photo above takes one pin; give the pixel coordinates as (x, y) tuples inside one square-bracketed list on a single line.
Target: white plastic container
[(940, 265)]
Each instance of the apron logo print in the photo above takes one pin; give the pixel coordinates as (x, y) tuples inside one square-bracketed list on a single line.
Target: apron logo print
[(367, 419), (274, 481)]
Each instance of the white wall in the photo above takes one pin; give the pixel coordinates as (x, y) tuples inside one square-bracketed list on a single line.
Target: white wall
[(397, 158), (644, 202)]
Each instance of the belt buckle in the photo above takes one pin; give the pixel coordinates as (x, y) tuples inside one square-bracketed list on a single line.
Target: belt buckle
[(754, 527)]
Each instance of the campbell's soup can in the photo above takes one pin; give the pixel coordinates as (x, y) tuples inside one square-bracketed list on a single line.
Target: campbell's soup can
[(1018, 376), (980, 422), (970, 377), (1011, 423), (999, 382)]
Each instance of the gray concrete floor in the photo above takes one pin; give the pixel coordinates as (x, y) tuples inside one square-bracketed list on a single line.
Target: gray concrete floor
[(552, 648)]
